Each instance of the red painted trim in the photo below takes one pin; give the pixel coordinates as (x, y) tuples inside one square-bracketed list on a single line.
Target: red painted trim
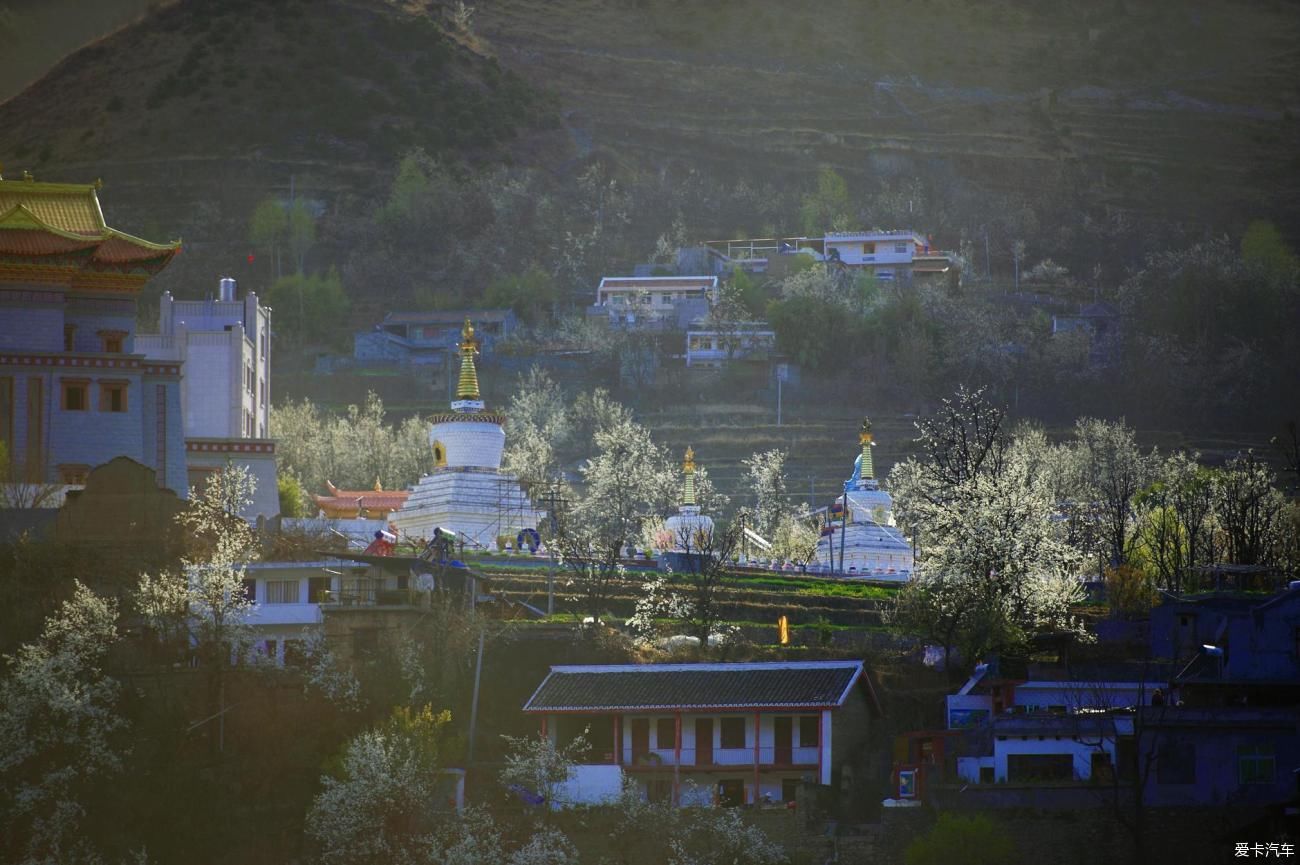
[(543, 730), (757, 736), (618, 741)]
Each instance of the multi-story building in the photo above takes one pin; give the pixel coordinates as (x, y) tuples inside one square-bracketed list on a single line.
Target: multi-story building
[(224, 344), (890, 255), (727, 733), (74, 391), (651, 301)]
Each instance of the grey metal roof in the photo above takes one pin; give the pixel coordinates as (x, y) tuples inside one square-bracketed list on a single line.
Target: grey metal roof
[(695, 686)]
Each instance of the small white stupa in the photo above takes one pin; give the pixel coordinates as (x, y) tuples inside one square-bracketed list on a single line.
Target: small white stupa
[(861, 539), (688, 526), (467, 493)]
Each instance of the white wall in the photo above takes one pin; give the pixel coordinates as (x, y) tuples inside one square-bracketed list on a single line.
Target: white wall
[(590, 785), (1080, 751)]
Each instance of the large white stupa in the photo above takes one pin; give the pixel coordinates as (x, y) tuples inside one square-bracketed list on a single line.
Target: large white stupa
[(861, 539), (467, 493), (690, 529)]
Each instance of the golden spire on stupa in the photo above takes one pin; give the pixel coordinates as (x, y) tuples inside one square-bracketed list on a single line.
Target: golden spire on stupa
[(688, 477), (868, 472), (468, 386)]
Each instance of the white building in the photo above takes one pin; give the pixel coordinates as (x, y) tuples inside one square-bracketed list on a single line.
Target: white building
[(890, 255), (860, 539), (701, 734), (715, 348), (646, 299), (467, 493), (224, 346), (287, 599)]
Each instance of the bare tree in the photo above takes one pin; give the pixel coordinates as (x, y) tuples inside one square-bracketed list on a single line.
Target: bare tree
[(707, 554)]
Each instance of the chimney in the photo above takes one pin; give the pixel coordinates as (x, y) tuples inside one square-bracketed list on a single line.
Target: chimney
[(227, 290)]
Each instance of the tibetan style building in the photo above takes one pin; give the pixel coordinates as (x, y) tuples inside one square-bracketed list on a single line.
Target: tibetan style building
[(373, 504), (74, 393), (861, 539), (467, 493)]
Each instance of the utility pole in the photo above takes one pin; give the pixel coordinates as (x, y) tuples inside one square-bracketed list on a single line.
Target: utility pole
[(473, 707)]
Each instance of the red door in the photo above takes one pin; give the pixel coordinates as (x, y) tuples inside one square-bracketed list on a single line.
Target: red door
[(703, 741), (640, 739)]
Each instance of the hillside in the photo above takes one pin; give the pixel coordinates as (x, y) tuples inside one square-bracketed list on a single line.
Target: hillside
[(199, 109), (1185, 109)]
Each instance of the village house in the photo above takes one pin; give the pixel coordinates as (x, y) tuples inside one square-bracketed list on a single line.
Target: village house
[(888, 255), (654, 301), (709, 733), (429, 337), (750, 340)]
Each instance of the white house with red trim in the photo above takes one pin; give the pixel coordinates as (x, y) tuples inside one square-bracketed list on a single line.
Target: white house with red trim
[(698, 734)]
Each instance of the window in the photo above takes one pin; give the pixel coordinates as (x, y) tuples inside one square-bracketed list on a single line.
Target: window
[(1040, 767), (69, 337), (317, 589), (112, 396), (282, 591), (75, 395), (900, 247), (665, 733), (74, 474), (111, 341), (789, 789), (733, 732), (810, 729), (1256, 763), (250, 590), (261, 390)]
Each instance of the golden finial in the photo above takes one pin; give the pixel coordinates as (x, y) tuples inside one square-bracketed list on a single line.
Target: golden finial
[(379, 488), (865, 435), (27, 175), (868, 471), (99, 183), (688, 478), (468, 386)]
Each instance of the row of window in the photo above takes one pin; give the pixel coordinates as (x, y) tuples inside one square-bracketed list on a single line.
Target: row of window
[(110, 341), (75, 395), (731, 731), (1176, 763)]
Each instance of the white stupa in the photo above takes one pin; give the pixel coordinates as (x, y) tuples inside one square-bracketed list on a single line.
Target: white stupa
[(467, 493), (688, 524), (861, 539)]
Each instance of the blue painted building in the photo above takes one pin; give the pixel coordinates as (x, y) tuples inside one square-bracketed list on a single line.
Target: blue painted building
[(73, 392), (415, 338)]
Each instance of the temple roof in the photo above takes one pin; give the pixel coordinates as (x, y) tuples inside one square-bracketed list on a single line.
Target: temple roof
[(60, 225)]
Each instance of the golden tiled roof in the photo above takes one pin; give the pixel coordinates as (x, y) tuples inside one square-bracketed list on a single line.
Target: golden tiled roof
[(40, 220), (70, 207)]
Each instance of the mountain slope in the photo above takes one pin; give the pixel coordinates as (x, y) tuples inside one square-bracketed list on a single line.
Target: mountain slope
[(1185, 108)]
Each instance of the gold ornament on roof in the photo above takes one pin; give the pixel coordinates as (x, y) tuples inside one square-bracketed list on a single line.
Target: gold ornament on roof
[(688, 464), (688, 478)]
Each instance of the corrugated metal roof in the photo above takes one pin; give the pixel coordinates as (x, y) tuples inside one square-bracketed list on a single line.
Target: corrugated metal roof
[(695, 686)]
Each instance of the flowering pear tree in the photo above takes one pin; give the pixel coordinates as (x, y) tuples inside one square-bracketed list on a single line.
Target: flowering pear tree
[(58, 733)]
